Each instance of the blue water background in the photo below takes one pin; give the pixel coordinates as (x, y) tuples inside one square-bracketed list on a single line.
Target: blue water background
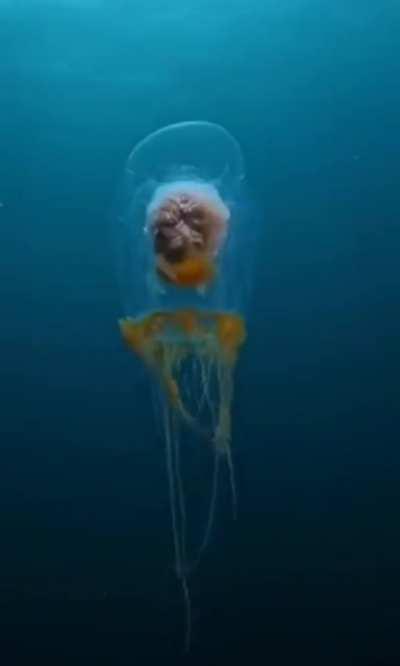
[(310, 572)]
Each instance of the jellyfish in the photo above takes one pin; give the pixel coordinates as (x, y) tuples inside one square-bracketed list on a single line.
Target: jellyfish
[(183, 261)]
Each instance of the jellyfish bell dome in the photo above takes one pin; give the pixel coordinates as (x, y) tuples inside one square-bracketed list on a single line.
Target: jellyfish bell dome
[(193, 150), (178, 219)]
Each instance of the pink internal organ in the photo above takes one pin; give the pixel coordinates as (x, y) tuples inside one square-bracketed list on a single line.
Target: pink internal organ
[(184, 225)]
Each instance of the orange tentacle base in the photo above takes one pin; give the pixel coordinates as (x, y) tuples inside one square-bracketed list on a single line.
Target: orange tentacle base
[(150, 336), (165, 340)]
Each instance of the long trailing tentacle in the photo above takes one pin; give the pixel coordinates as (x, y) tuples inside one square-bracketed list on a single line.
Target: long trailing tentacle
[(220, 437), (172, 489), (223, 429), (178, 514), (210, 516), (205, 366), (179, 490)]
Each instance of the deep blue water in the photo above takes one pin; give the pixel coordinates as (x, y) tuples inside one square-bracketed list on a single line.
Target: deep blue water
[(310, 571)]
